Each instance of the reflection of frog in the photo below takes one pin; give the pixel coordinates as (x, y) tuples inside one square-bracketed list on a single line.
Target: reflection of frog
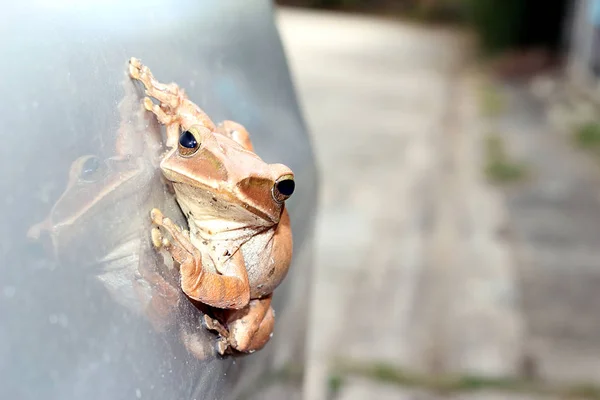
[(102, 219), (239, 245)]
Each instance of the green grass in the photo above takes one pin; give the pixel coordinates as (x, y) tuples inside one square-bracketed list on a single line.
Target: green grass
[(587, 137), (441, 384), (492, 101), (335, 383), (452, 384), (499, 168)]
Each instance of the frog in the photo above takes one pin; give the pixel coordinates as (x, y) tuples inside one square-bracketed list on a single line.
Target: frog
[(238, 246), (94, 224)]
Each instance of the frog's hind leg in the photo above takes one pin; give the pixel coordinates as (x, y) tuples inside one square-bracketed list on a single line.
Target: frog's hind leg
[(251, 328), (237, 132)]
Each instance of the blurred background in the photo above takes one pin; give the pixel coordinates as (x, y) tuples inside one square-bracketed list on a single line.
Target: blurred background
[(459, 228)]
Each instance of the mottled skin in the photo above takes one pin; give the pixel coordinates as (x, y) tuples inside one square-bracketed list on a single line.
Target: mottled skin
[(239, 245), (94, 223)]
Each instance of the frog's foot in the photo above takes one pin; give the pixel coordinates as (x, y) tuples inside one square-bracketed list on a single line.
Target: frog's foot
[(252, 327), (181, 236), (170, 97), (237, 132), (163, 114), (158, 240), (135, 66), (166, 117), (222, 345), (168, 94), (180, 247), (175, 108), (212, 324)]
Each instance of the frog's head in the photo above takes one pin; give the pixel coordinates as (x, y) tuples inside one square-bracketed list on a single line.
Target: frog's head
[(216, 177)]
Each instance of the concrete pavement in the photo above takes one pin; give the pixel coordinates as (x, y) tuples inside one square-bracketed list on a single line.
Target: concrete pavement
[(410, 270)]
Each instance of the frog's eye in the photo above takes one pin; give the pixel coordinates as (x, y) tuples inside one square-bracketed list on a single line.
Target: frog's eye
[(92, 168), (283, 188), (188, 143)]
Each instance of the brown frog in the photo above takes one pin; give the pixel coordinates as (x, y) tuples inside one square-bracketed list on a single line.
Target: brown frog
[(239, 245)]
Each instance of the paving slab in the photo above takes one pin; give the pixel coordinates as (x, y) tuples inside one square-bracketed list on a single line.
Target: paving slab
[(361, 389), (409, 272), (555, 221)]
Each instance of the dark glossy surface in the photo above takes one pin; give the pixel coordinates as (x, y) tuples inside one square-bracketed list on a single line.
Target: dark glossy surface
[(61, 69)]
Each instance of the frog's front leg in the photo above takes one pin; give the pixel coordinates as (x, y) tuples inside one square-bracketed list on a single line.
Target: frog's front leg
[(230, 290), (175, 108), (169, 120), (251, 328), (169, 94)]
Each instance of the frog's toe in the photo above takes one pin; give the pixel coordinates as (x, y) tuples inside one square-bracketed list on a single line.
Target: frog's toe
[(135, 62), (214, 325), (134, 67), (206, 322), (157, 237), (222, 346), (148, 104), (169, 226), (156, 216)]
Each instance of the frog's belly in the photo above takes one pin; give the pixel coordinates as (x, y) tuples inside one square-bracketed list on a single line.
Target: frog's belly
[(265, 273)]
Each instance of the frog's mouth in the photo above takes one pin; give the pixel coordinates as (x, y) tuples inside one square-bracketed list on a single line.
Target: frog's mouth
[(221, 209)]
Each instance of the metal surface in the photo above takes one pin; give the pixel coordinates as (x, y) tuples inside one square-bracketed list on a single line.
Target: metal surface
[(61, 335)]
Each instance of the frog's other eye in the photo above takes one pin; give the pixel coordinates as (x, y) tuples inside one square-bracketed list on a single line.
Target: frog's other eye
[(188, 143), (92, 169), (283, 188)]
